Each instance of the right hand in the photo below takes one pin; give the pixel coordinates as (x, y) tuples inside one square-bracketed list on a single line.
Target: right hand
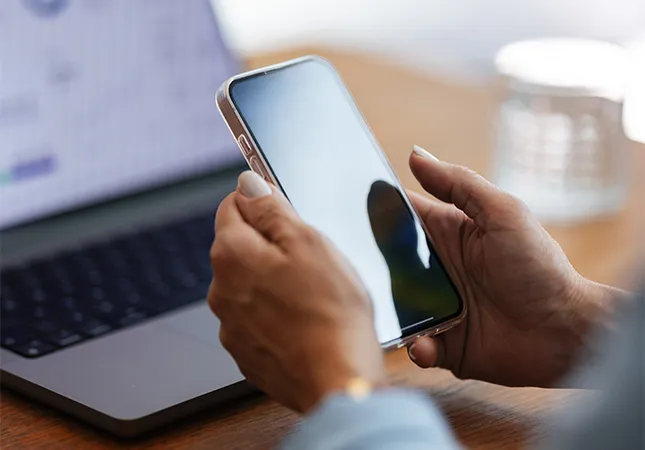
[(529, 311), (294, 314)]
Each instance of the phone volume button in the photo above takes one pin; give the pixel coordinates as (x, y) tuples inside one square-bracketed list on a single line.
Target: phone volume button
[(244, 145), (256, 166)]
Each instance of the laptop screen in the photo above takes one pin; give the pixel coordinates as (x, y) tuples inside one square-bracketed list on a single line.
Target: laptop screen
[(99, 98)]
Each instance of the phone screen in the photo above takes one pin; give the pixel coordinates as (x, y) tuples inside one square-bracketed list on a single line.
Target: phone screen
[(331, 168)]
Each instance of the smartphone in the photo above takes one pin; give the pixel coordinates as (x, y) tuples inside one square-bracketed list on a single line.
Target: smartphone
[(298, 127)]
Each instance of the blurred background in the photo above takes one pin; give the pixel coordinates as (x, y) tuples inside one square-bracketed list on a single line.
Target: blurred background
[(456, 37)]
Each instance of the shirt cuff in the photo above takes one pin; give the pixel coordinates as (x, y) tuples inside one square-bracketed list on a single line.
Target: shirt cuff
[(386, 419)]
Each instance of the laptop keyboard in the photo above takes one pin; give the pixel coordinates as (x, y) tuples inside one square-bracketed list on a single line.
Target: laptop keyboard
[(79, 295)]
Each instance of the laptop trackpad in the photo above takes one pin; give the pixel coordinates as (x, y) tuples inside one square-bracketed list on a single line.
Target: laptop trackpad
[(137, 371), (198, 322)]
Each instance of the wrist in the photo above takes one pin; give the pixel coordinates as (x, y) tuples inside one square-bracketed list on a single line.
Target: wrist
[(595, 304), (355, 388), (590, 307), (335, 360), (344, 372)]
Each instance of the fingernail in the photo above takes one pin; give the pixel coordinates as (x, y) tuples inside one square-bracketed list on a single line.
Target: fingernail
[(424, 153), (253, 185), (410, 352)]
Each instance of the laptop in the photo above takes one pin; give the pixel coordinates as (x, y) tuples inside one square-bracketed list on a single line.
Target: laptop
[(113, 159)]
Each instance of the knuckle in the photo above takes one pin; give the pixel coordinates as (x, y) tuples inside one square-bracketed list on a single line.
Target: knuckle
[(247, 372), (226, 339), (268, 203), (217, 256), (463, 174), (521, 206), (308, 235), (223, 207), (516, 205), (272, 218), (466, 172), (469, 177), (227, 202), (222, 251), (210, 297), (269, 211), (215, 302)]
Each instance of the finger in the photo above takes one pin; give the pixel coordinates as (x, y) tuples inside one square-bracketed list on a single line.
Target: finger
[(240, 253), (450, 183), (429, 209), (224, 309), (228, 340), (264, 209), (238, 250), (236, 237), (425, 352), (211, 297), (228, 214)]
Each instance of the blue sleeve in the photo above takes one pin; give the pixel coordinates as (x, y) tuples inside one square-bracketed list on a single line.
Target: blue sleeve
[(614, 418), (386, 420)]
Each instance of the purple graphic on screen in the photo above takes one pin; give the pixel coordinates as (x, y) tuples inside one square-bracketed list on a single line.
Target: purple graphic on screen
[(34, 168)]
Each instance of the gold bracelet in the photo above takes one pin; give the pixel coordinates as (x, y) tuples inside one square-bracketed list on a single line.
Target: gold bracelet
[(358, 389)]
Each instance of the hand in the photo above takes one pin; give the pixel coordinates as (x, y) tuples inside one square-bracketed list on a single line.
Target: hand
[(529, 311), (293, 313)]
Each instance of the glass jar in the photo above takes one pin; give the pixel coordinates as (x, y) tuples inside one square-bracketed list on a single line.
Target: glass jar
[(561, 146)]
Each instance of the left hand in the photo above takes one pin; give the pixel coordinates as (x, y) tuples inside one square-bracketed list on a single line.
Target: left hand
[(530, 314), (294, 315)]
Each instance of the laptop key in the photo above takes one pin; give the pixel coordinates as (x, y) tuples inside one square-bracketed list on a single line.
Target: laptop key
[(134, 316), (69, 302), (40, 312), (68, 288), (34, 348), (46, 326), (105, 307), (95, 277), (38, 295), (132, 298), (64, 337), (98, 294), (9, 341), (12, 336), (94, 328), (9, 305), (76, 317)]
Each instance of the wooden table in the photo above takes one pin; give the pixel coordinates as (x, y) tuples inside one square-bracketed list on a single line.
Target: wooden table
[(454, 122)]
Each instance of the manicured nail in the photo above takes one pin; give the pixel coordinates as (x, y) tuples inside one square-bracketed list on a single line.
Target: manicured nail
[(424, 153), (253, 185), (410, 352)]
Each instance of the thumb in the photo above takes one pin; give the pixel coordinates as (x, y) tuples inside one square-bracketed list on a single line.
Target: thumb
[(467, 190), (426, 352), (266, 210)]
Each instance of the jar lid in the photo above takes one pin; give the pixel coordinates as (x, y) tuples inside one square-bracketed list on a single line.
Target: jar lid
[(575, 66), (634, 111)]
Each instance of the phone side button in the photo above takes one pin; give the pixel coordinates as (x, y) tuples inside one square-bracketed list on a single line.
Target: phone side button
[(256, 166), (244, 145)]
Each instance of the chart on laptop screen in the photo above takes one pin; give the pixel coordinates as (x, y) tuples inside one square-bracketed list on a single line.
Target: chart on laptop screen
[(101, 97)]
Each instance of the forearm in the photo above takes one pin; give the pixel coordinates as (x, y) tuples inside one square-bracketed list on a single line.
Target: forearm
[(388, 419)]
